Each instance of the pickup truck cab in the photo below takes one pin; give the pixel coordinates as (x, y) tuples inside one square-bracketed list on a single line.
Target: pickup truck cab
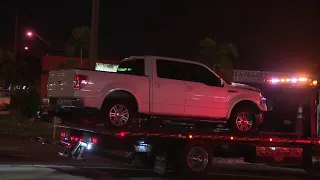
[(158, 87)]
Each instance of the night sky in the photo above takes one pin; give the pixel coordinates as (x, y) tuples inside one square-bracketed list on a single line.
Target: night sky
[(279, 35)]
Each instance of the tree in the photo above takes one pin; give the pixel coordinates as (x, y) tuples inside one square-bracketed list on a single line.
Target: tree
[(80, 39), (13, 71), (218, 56)]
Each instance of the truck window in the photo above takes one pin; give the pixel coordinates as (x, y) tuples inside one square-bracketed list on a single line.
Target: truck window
[(172, 70), (203, 75), (132, 67)]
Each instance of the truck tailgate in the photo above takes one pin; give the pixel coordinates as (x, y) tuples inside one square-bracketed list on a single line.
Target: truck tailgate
[(60, 83)]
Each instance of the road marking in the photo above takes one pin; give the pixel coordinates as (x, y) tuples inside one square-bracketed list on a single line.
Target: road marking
[(249, 176), (131, 169)]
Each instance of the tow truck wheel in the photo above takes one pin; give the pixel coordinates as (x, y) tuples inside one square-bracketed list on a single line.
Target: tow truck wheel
[(243, 120), (117, 113), (196, 160)]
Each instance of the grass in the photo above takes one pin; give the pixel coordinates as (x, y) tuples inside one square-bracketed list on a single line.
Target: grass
[(25, 129)]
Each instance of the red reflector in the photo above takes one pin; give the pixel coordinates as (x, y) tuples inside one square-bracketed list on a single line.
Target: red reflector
[(190, 136), (94, 140), (77, 139), (122, 134)]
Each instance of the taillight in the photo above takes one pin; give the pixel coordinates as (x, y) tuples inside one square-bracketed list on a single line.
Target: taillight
[(94, 140), (79, 81), (62, 134)]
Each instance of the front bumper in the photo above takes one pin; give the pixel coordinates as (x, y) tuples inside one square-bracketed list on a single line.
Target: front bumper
[(259, 118)]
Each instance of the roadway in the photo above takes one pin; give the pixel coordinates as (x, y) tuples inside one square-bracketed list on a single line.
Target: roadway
[(31, 160)]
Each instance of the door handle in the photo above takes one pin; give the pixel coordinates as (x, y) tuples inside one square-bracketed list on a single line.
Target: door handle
[(157, 85), (189, 88), (232, 91)]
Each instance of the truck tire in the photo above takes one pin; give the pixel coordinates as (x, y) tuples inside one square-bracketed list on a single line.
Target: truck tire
[(243, 120), (195, 160), (117, 113)]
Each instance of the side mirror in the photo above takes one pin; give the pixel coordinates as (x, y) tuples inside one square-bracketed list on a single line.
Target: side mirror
[(221, 82)]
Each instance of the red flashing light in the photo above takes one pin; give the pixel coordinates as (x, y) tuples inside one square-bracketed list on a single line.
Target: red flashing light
[(79, 81), (270, 139), (122, 134), (71, 138), (94, 140), (190, 136), (231, 138), (81, 140)]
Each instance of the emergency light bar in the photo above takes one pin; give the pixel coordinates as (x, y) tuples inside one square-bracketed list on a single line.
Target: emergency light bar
[(293, 81)]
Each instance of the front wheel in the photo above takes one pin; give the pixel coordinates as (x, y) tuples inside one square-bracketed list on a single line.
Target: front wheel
[(243, 120)]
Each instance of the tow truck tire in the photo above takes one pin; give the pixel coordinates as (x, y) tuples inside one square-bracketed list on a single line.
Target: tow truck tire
[(196, 160), (307, 165), (117, 113), (241, 118)]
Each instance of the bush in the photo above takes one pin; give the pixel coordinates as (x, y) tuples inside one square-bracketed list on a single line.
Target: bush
[(28, 102)]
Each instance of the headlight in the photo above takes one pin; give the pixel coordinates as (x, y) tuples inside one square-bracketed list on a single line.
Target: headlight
[(263, 102)]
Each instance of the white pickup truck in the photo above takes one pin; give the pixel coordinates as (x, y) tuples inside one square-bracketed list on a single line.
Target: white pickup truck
[(158, 87)]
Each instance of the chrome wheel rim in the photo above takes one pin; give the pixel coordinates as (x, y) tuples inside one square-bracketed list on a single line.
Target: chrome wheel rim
[(244, 121), (119, 115), (197, 159)]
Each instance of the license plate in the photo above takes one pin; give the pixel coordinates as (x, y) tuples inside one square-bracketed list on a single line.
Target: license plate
[(65, 102)]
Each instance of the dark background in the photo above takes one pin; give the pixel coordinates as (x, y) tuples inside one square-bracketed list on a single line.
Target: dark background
[(278, 35)]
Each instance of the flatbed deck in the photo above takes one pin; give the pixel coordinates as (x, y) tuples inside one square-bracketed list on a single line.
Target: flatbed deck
[(176, 142), (205, 134)]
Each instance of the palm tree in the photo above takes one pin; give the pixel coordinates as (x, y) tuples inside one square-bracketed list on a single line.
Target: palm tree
[(220, 57)]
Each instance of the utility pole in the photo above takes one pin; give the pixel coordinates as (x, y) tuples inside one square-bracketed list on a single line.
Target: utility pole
[(93, 50), (81, 46), (15, 44)]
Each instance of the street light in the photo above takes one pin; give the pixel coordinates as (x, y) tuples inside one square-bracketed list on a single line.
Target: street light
[(30, 34)]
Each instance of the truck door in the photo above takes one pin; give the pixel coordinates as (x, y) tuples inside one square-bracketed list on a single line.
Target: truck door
[(168, 88), (205, 96)]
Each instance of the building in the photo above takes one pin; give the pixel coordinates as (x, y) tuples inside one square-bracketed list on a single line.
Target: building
[(52, 62)]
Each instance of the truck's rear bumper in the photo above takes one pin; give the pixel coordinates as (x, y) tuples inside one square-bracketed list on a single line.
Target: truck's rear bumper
[(63, 102), (68, 109)]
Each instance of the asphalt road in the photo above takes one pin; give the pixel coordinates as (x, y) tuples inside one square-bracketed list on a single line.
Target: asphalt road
[(30, 160)]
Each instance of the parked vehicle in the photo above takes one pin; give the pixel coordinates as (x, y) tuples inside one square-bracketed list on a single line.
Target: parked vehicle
[(4, 99), (161, 87)]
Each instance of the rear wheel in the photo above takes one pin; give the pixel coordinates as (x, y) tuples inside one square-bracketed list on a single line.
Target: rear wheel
[(118, 113), (196, 160), (243, 120)]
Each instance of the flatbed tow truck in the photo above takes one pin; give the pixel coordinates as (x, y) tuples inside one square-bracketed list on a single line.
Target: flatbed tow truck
[(190, 149)]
